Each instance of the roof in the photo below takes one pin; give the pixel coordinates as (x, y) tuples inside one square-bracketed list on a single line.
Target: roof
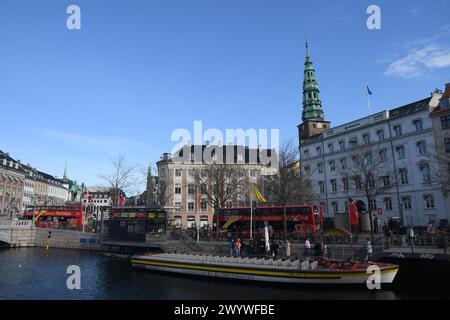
[(410, 108)]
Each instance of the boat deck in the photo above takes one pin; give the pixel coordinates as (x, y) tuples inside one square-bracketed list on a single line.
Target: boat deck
[(252, 262)]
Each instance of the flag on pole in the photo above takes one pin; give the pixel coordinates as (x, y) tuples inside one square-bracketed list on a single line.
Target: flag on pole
[(258, 194), (369, 93), (121, 200)]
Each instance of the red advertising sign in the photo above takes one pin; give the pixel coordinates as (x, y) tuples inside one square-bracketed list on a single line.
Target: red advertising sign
[(379, 211)]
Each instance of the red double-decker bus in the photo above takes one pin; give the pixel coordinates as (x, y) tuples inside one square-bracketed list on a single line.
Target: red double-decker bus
[(300, 219), (61, 217)]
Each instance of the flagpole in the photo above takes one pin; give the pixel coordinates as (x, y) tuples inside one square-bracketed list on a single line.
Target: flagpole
[(368, 98), (251, 212)]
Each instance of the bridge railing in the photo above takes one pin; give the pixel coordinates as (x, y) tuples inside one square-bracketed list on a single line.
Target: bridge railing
[(15, 224)]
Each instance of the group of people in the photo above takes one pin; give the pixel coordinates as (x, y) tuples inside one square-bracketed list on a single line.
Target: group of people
[(319, 249), (235, 247), (403, 231)]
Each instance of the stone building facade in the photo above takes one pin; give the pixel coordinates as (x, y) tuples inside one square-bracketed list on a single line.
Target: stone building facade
[(12, 179), (184, 201)]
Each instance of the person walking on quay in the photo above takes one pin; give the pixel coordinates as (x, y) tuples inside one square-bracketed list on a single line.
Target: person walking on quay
[(318, 250), (231, 246), (369, 250), (307, 247), (237, 247), (288, 248), (411, 237), (403, 235)]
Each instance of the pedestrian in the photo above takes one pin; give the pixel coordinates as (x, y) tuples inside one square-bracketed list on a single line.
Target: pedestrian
[(390, 237), (368, 250), (403, 235), (307, 247), (237, 247), (288, 248), (317, 250), (445, 242), (231, 246)]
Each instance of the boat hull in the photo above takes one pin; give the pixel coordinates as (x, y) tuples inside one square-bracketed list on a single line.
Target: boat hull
[(386, 275)]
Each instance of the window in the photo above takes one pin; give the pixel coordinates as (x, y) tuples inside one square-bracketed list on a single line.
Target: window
[(445, 122), (406, 202), (428, 200), (306, 153), (447, 144), (380, 134), (204, 205), (177, 221), (320, 168), (191, 188), (366, 138), (335, 206), (330, 147), (357, 182), (321, 187), (177, 206), (368, 158), (342, 145), (383, 155), (398, 130), (319, 151), (403, 176), (332, 165), (353, 142), (333, 185), (345, 183), (425, 170), (177, 172), (178, 188), (418, 124), (386, 181), (400, 152), (308, 170), (344, 163), (388, 204), (190, 206), (421, 147), (203, 221), (190, 222), (252, 172), (373, 205)]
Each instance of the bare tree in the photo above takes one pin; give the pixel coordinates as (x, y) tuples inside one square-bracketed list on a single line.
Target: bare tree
[(441, 172), (122, 179), (220, 183), (369, 174), (161, 193), (289, 185)]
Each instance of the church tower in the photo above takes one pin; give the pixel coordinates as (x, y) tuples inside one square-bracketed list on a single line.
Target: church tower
[(313, 120)]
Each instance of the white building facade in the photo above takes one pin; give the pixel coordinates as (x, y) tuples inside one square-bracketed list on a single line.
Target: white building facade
[(405, 138)]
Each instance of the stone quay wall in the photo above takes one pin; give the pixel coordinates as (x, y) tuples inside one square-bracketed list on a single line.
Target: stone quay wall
[(68, 239)]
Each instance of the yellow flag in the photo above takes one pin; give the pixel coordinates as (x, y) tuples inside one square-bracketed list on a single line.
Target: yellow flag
[(258, 194)]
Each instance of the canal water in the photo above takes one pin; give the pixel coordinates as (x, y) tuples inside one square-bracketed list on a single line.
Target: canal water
[(34, 273)]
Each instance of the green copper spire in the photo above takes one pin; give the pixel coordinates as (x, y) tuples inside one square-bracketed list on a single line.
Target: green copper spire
[(312, 106)]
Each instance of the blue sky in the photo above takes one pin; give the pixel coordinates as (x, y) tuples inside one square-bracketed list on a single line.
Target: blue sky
[(137, 70)]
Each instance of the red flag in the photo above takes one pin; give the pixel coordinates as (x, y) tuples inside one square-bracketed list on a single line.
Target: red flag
[(354, 214), (121, 200)]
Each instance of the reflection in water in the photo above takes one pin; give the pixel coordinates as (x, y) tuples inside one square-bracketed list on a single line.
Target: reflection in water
[(32, 273)]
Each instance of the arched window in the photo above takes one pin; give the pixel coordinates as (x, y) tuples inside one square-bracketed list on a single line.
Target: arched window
[(424, 168)]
